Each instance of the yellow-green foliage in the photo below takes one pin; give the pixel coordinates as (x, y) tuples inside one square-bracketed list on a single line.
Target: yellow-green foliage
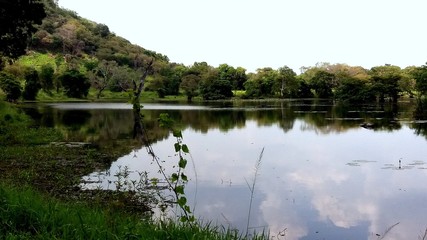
[(37, 60)]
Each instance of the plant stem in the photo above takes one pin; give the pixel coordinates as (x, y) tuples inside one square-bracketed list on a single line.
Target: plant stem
[(252, 188)]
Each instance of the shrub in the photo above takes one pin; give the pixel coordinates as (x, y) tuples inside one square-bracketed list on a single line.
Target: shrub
[(10, 86), (32, 85), (75, 84)]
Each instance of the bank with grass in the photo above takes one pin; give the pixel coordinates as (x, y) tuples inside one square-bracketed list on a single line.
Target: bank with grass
[(40, 197)]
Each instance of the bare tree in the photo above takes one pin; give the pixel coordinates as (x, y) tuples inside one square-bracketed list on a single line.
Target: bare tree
[(138, 86)]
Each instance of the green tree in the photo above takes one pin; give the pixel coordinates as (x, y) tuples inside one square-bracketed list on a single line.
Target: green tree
[(354, 90), (101, 76), (287, 80), (102, 30), (17, 18), (122, 79), (10, 86), (213, 87), (173, 78), (322, 83), (303, 89), (407, 82), (226, 72), (236, 76), (32, 85), (385, 80), (262, 83), (421, 80), (190, 85), (252, 88), (75, 84), (168, 79), (240, 78), (46, 77), (157, 83)]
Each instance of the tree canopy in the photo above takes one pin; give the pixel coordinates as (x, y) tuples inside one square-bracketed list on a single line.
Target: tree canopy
[(17, 18)]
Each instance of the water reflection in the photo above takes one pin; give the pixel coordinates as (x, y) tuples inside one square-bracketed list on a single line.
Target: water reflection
[(306, 185), (322, 176)]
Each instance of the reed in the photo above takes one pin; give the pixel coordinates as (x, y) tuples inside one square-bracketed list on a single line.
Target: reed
[(252, 188)]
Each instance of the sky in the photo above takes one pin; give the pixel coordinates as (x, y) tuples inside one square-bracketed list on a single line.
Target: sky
[(269, 33)]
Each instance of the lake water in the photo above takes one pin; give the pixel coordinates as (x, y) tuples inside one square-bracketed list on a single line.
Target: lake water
[(322, 175)]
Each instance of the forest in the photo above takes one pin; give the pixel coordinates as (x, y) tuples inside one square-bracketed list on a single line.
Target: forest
[(66, 56)]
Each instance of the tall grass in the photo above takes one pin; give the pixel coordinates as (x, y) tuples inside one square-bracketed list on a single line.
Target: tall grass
[(26, 214), (252, 188)]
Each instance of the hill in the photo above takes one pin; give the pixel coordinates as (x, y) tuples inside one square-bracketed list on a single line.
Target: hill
[(63, 32), (65, 42), (76, 56)]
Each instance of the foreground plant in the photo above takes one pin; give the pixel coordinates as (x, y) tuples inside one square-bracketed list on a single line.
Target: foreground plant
[(176, 181)]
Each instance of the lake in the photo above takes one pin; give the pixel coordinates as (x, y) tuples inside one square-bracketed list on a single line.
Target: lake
[(327, 171)]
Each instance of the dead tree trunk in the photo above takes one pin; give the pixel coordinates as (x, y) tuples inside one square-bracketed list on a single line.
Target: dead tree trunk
[(137, 90)]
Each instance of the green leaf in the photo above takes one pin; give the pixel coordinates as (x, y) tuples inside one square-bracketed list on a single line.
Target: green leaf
[(177, 133), (183, 219), (184, 177), (177, 147), (182, 163), (174, 177), (187, 209), (179, 189), (185, 148), (182, 201)]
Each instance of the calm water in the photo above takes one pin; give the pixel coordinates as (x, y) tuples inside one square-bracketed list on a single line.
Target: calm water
[(322, 175)]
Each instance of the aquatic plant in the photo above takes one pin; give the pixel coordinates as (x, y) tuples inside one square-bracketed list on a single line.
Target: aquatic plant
[(252, 188)]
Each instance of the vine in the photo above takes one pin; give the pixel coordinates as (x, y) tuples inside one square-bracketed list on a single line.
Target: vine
[(179, 179), (176, 181)]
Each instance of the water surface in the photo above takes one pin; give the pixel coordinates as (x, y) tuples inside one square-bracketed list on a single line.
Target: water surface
[(322, 175)]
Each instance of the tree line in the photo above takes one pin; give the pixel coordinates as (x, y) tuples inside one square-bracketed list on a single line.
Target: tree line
[(82, 55), (338, 81)]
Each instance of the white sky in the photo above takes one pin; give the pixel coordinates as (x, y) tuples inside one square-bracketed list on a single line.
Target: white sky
[(269, 33)]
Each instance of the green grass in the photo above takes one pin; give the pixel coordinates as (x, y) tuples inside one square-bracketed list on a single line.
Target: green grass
[(26, 214), (109, 96), (39, 200), (53, 96)]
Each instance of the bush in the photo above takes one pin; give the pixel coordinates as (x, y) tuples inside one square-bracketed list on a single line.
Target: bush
[(32, 85), (75, 84), (217, 89), (10, 86), (46, 77), (354, 91)]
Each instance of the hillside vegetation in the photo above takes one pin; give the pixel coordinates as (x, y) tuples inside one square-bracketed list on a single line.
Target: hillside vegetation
[(72, 57)]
